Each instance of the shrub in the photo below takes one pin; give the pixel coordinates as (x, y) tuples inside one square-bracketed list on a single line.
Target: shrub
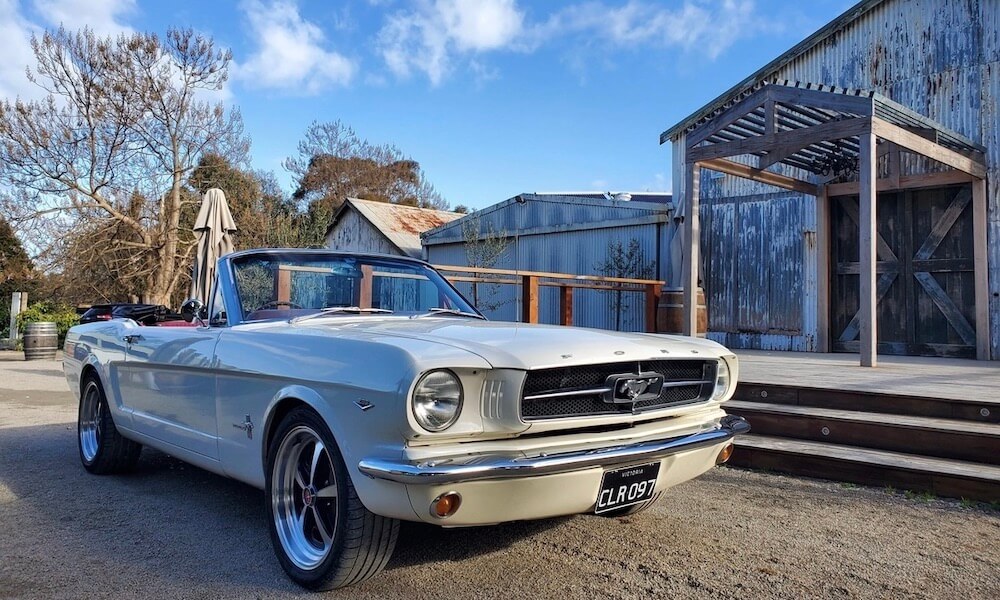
[(62, 315)]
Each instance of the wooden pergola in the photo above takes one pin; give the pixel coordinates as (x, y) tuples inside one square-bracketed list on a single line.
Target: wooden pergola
[(826, 133)]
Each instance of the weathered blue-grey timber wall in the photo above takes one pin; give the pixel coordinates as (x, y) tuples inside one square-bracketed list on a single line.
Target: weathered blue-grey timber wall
[(559, 234), (940, 58)]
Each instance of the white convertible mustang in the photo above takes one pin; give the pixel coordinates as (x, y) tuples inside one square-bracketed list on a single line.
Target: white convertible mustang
[(360, 390)]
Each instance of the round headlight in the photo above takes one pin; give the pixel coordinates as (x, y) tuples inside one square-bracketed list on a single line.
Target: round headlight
[(437, 400), (721, 380)]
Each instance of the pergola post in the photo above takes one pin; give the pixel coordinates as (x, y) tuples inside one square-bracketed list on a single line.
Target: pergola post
[(980, 253), (867, 233), (692, 176)]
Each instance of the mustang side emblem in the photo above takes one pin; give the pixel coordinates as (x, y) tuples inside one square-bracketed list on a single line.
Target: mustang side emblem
[(629, 388), (246, 426)]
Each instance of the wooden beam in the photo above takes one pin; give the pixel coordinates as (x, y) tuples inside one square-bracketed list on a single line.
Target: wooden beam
[(365, 292), (783, 140), (981, 272), (544, 274), (769, 118), (822, 271), (925, 147), (283, 285), (725, 118), (733, 168), (895, 164), (906, 182), (691, 259), (565, 305), (867, 235), (834, 101), (652, 306), (529, 299)]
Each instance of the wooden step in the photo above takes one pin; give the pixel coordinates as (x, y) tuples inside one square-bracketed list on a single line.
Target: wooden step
[(943, 477), (925, 436), (983, 410)]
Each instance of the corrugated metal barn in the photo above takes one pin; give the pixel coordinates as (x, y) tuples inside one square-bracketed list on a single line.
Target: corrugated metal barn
[(558, 234), (382, 228), (849, 191)]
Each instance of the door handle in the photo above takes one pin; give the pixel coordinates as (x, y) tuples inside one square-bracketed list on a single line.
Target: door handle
[(131, 339)]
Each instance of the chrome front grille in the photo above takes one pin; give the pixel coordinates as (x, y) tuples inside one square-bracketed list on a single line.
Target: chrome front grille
[(581, 391)]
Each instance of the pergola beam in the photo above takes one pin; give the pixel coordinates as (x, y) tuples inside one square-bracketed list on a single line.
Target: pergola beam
[(795, 139), (725, 118), (921, 145), (747, 172)]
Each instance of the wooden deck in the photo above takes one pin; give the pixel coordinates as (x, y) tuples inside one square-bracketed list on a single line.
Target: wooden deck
[(922, 424), (949, 378)]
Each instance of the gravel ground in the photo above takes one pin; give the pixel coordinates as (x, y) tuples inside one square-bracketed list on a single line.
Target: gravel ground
[(174, 531)]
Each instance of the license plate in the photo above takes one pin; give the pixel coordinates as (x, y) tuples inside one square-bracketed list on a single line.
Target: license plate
[(625, 487)]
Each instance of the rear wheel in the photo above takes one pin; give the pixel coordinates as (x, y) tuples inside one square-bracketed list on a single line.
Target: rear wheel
[(323, 536), (103, 450)]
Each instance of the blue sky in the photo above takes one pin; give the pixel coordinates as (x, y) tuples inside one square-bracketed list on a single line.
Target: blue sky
[(492, 97)]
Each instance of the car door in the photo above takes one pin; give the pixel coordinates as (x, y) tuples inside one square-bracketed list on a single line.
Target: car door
[(168, 383)]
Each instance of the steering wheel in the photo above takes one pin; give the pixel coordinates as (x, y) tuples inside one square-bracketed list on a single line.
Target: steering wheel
[(277, 303)]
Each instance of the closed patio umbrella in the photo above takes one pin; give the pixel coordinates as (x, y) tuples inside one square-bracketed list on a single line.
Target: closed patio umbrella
[(213, 230)]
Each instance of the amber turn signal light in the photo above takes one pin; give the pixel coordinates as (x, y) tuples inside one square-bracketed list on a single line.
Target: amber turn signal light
[(725, 454), (446, 505)]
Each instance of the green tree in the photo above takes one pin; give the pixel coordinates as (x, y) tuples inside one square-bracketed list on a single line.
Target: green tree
[(111, 146), (335, 163), (264, 217), (17, 273)]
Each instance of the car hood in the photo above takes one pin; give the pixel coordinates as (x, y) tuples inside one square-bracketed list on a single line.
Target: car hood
[(522, 345)]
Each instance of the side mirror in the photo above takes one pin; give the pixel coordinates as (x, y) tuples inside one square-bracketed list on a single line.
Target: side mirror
[(192, 310)]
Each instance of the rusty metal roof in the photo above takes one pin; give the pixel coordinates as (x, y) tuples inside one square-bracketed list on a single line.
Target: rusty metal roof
[(400, 224)]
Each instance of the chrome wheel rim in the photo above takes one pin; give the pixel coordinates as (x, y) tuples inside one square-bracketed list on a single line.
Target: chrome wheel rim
[(91, 414), (304, 498)]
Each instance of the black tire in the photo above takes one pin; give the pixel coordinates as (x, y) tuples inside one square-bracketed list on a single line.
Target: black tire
[(634, 509), (103, 450), (361, 542)]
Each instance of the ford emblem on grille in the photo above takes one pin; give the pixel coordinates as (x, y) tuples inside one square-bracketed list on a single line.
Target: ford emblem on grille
[(629, 388)]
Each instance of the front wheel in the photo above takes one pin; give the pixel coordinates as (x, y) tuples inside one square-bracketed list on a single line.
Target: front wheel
[(323, 535)]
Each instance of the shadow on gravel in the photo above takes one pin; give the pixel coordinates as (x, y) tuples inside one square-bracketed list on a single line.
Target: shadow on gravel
[(168, 520), (420, 543)]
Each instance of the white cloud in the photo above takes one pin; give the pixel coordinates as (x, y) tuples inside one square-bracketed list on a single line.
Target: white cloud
[(704, 26), (104, 17), (290, 52), (429, 37), (15, 32)]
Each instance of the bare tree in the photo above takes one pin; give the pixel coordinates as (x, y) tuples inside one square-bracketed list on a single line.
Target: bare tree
[(111, 146), (484, 247), (626, 263)]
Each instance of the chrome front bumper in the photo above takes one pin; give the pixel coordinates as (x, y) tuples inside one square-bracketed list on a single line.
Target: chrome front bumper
[(491, 466)]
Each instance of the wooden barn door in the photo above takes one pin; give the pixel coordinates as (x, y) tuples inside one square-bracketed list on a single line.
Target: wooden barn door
[(925, 282)]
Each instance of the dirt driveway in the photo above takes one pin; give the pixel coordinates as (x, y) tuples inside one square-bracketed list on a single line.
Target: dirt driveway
[(173, 531)]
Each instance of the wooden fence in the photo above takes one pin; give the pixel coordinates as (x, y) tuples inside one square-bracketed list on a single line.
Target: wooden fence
[(532, 281)]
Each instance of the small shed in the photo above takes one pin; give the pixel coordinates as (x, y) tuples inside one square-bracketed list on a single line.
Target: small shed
[(556, 233), (381, 227)]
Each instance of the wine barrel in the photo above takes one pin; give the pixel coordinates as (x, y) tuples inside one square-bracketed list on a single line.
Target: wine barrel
[(40, 340), (670, 312)]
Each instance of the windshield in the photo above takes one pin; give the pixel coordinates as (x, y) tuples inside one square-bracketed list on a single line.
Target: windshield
[(283, 286)]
